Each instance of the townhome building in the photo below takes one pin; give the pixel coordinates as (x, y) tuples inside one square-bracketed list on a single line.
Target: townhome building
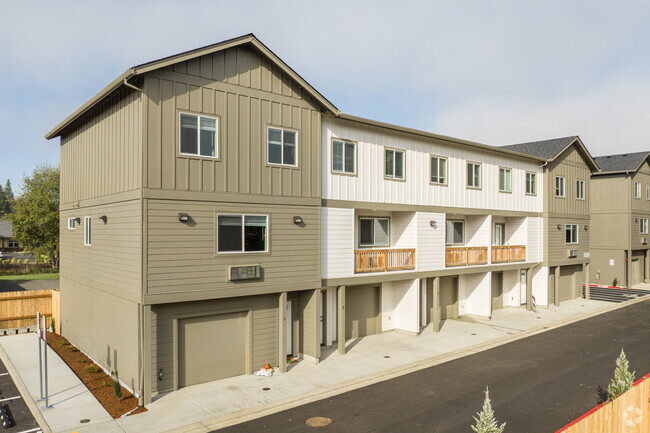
[(620, 208), (418, 228), (190, 218), (567, 168)]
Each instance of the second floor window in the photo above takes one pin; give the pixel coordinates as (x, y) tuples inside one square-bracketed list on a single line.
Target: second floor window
[(343, 157), (199, 135), (580, 189), (394, 164), (571, 233), (455, 233), (647, 191), (242, 233), (87, 237), (644, 225), (439, 170), (283, 145), (473, 175), (531, 183), (374, 232), (637, 190), (559, 186), (505, 182)]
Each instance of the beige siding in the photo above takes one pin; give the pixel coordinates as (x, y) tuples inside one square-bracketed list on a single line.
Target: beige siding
[(572, 167), (263, 343), (642, 176), (113, 262), (183, 257), (611, 193), (247, 94), (558, 248), (309, 334), (610, 230), (102, 155)]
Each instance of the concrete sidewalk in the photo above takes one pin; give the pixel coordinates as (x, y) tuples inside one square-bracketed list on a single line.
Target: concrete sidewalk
[(205, 407)]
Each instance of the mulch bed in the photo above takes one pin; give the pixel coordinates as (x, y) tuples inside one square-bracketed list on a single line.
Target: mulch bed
[(99, 383)]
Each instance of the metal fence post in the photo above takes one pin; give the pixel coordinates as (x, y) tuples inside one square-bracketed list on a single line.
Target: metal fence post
[(40, 357), (45, 349)]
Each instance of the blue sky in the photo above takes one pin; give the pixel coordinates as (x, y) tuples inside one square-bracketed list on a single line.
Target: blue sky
[(497, 72)]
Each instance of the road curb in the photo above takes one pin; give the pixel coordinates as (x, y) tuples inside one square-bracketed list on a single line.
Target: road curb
[(27, 397), (255, 412)]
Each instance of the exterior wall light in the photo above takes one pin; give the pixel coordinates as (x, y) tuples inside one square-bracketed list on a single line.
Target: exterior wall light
[(297, 220), (103, 219), (586, 227), (559, 226), (160, 374), (636, 220), (432, 223), (183, 217), (78, 220)]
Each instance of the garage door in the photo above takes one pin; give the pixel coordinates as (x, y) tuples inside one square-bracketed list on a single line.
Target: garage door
[(448, 298), (361, 311), (637, 267), (211, 348), (567, 283), (497, 290)]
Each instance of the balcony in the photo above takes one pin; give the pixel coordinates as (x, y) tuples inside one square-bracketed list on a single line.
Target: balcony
[(510, 253), (464, 256), (383, 260)]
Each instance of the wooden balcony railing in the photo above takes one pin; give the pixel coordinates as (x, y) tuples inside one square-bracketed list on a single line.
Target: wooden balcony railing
[(383, 260), (509, 253), (463, 256)]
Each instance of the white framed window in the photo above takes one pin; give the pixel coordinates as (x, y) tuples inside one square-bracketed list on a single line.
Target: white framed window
[(199, 135), (344, 156), (643, 229), (455, 232), (531, 183), (87, 231), (282, 146), (571, 233), (393, 164), (72, 223), (637, 189), (505, 179), (374, 232), (473, 175), (580, 189), (242, 233), (499, 234), (647, 191), (438, 170), (559, 186), (13, 244)]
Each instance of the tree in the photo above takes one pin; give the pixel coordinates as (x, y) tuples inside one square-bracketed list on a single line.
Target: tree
[(8, 201), (623, 379), (4, 203), (485, 423), (35, 218)]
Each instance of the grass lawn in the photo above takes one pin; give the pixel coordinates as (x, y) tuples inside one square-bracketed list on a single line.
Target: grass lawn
[(52, 276)]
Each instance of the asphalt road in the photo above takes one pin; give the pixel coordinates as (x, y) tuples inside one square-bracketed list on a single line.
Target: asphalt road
[(18, 412), (537, 384)]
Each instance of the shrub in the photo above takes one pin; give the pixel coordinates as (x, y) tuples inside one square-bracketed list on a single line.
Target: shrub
[(61, 343), (81, 360), (614, 282), (107, 384), (117, 388), (71, 349), (91, 369), (52, 325), (25, 261), (623, 379), (12, 261), (485, 423)]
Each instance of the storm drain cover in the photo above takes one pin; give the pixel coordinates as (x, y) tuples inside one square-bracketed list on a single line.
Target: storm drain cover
[(318, 421), (84, 421)]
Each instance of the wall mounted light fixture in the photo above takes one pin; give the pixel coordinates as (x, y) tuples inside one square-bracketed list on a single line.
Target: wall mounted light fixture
[(636, 220), (183, 217), (103, 219), (559, 226), (586, 227), (78, 220), (297, 220), (432, 223)]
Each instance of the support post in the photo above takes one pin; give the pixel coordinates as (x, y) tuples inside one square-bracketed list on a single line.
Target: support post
[(435, 309), (40, 354), (646, 266), (340, 318), (146, 355), (529, 289), (47, 405), (587, 288), (317, 298), (556, 275), (282, 333)]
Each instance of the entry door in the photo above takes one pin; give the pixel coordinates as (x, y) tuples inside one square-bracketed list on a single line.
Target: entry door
[(289, 328), (499, 234), (522, 288)]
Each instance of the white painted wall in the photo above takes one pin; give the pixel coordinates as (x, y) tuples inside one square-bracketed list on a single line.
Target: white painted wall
[(430, 253), (516, 229), (331, 316), (370, 186), (403, 230), (540, 286), (477, 230), (535, 237), (400, 305), (337, 242), (511, 288), (475, 294)]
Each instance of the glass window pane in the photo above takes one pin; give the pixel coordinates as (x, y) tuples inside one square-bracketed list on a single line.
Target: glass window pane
[(366, 232), (502, 180), (470, 175), (508, 175), (568, 234), (381, 231), (390, 162), (443, 171), (477, 176), (275, 146), (399, 165), (289, 150), (350, 155), (189, 134), (254, 233), (337, 155), (229, 234), (434, 170), (208, 136), (458, 232), (532, 183)]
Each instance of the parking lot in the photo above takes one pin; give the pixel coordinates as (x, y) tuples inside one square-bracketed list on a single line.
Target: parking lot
[(21, 418)]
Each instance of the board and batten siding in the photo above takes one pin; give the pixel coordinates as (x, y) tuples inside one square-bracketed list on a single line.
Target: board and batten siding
[(430, 253), (247, 94), (611, 193), (558, 249), (642, 176), (572, 166), (102, 154), (183, 257), (337, 242), (369, 185)]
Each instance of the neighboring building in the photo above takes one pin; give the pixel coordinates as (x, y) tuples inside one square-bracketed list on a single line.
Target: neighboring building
[(7, 242), (567, 168), (620, 209)]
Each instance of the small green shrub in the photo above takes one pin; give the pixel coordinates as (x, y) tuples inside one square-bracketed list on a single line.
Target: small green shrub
[(61, 343), (25, 261), (623, 379), (117, 388), (12, 261), (614, 282), (91, 369), (71, 349), (486, 423), (81, 360), (52, 325), (107, 384)]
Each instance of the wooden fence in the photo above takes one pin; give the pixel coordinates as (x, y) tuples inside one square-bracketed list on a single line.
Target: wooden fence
[(18, 309), (630, 413), (463, 256), (383, 260)]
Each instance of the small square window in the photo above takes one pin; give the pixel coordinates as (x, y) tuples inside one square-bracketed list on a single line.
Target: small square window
[(282, 147), (374, 232), (571, 231), (344, 157), (455, 233), (199, 135), (394, 164), (72, 223), (438, 170)]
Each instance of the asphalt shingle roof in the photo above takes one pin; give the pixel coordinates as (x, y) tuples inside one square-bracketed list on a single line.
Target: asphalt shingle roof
[(547, 149), (621, 162), (5, 229)]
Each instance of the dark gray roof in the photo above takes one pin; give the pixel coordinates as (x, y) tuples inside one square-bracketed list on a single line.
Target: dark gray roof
[(548, 149), (621, 162), (5, 229)]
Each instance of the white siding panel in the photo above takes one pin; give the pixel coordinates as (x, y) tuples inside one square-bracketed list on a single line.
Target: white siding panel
[(400, 305), (511, 288), (337, 242), (475, 294), (403, 230), (540, 286), (430, 254), (516, 231), (477, 230), (387, 307), (534, 248)]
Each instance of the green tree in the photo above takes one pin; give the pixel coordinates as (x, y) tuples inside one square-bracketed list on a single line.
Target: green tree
[(4, 203), (623, 379), (7, 201), (35, 218), (485, 423)]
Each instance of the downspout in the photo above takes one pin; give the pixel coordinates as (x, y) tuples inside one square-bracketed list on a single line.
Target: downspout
[(127, 84)]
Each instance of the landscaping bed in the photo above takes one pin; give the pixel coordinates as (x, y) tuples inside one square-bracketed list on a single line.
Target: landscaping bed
[(96, 380)]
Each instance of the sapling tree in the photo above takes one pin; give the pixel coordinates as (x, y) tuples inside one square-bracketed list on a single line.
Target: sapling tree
[(117, 388), (623, 379), (486, 423)]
